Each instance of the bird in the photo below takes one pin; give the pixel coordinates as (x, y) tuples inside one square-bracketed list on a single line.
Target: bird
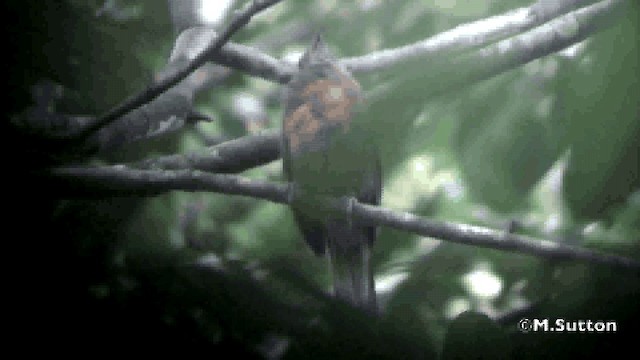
[(328, 151)]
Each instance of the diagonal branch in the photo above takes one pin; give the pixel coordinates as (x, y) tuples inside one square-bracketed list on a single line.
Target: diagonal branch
[(485, 237), (123, 181), (467, 36), (241, 19), (510, 53)]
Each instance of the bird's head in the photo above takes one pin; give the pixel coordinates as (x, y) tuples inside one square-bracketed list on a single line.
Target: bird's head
[(317, 54)]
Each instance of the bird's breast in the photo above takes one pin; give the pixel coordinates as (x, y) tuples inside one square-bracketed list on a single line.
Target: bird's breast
[(318, 112)]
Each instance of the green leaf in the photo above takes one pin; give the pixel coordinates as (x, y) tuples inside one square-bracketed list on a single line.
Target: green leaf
[(602, 111), (503, 142)]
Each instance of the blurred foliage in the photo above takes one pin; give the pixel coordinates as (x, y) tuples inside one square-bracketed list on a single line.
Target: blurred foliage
[(600, 111), (553, 145), (97, 55)]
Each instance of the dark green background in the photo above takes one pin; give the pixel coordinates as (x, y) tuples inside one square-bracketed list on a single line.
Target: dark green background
[(113, 272)]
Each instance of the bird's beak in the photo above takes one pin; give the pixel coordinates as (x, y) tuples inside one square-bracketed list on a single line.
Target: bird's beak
[(317, 41)]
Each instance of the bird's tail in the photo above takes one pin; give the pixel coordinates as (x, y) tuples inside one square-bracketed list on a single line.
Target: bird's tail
[(350, 263)]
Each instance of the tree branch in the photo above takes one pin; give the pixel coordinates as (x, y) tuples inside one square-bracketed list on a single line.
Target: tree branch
[(250, 59), (461, 39), (241, 19), (123, 181), (507, 54), (120, 180), (254, 62), (485, 237), (466, 37), (480, 65), (169, 111), (231, 156), (41, 127)]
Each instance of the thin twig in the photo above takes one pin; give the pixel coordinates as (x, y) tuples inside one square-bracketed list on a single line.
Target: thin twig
[(241, 18)]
